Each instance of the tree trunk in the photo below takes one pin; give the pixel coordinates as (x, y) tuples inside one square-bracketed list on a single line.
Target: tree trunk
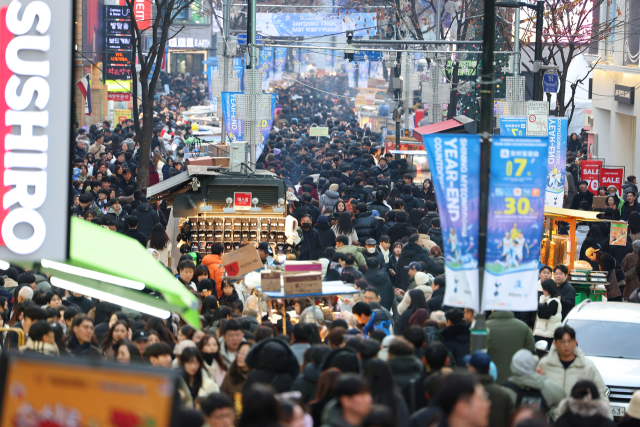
[(145, 140)]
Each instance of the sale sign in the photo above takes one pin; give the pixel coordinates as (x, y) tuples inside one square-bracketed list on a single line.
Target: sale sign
[(590, 172), (242, 201), (612, 176)]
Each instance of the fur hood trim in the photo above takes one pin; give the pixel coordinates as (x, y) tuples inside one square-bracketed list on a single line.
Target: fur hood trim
[(584, 408)]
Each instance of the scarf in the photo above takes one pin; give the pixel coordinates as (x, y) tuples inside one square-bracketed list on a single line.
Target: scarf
[(385, 254)]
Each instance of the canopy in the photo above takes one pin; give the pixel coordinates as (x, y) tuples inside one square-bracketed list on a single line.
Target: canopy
[(572, 213), (115, 268)]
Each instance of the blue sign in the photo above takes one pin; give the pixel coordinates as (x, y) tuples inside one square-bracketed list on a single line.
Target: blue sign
[(212, 65), (513, 126), (242, 39), (266, 125), (550, 82), (455, 172), (556, 161), (232, 126), (280, 58), (315, 24), (363, 56), (516, 209)]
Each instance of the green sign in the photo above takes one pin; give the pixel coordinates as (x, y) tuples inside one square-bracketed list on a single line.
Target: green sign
[(465, 68), (319, 131)]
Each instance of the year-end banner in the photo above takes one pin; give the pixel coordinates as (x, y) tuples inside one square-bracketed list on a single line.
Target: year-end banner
[(556, 161), (233, 126), (516, 210), (455, 172)]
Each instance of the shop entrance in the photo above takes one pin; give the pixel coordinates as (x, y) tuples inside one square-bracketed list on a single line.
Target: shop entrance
[(184, 63)]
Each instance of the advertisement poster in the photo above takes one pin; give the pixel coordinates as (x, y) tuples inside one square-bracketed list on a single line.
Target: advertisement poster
[(590, 172), (233, 127), (350, 68), (265, 61), (212, 68), (363, 74), (618, 235), (612, 176), (121, 115), (280, 54), (513, 125), (556, 161), (266, 125), (455, 171), (315, 24), (516, 209)]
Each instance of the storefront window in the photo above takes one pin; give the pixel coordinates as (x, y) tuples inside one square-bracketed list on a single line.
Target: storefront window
[(196, 13), (631, 50), (184, 63)]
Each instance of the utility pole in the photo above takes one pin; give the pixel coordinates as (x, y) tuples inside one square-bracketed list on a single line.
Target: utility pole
[(396, 82), (538, 50), (487, 81), (226, 63)]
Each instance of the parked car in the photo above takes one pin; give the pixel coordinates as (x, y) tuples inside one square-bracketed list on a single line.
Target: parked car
[(609, 335)]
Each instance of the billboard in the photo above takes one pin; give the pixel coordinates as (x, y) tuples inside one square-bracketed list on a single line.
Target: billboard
[(315, 24), (92, 29), (36, 44)]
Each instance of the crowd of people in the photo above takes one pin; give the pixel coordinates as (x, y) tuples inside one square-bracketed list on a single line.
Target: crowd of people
[(394, 356)]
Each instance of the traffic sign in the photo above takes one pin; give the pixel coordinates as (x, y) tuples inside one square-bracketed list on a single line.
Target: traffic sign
[(242, 39), (550, 82)]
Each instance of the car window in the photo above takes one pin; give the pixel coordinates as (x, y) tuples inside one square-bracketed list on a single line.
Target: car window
[(607, 339)]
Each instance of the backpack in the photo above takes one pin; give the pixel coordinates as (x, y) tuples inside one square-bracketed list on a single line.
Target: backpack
[(529, 396)]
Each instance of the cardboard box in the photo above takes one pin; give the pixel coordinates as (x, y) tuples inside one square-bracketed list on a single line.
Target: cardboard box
[(242, 261), (271, 281), (302, 266), (304, 283)]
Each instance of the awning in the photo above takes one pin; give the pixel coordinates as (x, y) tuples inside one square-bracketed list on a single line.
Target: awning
[(110, 266), (573, 213), (168, 184), (460, 124)]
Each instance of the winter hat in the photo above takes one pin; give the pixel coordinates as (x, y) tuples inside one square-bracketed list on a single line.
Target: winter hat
[(421, 278), (375, 213), (523, 363), (480, 361), (345, 359), (323, 219), (636, 245), (334, 187), (419, 317)]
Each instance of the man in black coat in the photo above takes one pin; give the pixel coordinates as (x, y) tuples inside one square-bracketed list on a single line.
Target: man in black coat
[(414, 252), (117, 214), (313, 211), (147, 217), (583, 195), (456, 335), (311, 246), (358, 189), (132, 224), (379, 204), (299, 210), (400, 229), (436, 301), (365, 224), (435, 233), (567, 291), (432, 213), (327, 236), (379, 279), (410, 202)]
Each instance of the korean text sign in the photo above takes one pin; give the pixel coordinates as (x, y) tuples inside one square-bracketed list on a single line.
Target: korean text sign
[(455, 171), (516, 209)]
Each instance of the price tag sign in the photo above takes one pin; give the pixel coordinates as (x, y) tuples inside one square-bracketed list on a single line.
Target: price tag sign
[(271, 282), (305, 283), (242, 201)]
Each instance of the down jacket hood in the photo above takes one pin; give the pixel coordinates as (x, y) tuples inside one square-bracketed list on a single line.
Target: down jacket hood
[(273, 355), (584, 408)]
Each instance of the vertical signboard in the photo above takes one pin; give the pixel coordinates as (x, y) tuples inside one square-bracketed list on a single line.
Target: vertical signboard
[(556, 161), (537, 118), (142, 12), (516, 208), (234, 127), (455, 171), (35, 44), (590, 172), (612, 176)]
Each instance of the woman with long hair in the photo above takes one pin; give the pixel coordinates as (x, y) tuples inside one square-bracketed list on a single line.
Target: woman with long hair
[(118, 331), (344, 227), (324, 393), (201, 272), (159, 240), (338, 209), (167, 167), (383, 390), (158, 325), (213, 361), (127, 352), (158, 164), (195, 376), (427, 192), (549, 312), (117, 171), (394, 256), (418, 301), (393, 196), (238, 372)]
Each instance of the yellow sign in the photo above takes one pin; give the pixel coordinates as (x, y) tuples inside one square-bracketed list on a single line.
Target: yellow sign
[(121, 115), (318, 131), (118, 85)]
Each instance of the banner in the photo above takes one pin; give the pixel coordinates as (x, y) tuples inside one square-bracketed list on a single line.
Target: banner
[(513, 125), (315, 24), (350, 68), (280, 55), (516, 209), (590, 172), (266, 125), (556, 161), (212, 66), (612, 176), (265, 60), (455, 171), (363, 74), (233, 127)]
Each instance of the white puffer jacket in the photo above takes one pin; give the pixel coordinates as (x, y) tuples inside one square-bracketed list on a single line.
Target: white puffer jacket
[(546, 327)]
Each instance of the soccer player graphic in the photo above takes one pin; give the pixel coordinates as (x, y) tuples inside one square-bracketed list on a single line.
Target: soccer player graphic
[(452, 241)]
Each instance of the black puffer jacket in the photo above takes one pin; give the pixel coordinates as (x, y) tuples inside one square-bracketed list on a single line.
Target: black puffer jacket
[(435, 234), (367, 226), (457, 338), (413, 252), (272, 362), (405, 369), (379, 279), (410, 202), (327, 236), (399, 230), (307, 382), (147, 218)]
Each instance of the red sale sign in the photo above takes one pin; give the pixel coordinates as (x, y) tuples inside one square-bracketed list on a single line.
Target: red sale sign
[(242, 201), (590, 172), (612, 176)]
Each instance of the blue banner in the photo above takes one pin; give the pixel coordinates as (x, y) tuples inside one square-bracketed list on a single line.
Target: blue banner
[(513, 126), (516, 210), (266, 125), (350, 68), (280, 58), (315, 24), (557, 161), (233, 127), (212, 65), (455, 171)]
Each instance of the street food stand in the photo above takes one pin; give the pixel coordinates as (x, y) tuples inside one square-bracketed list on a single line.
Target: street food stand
[(562, 249)]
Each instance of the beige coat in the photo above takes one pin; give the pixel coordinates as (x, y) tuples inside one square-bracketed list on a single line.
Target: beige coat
[(427, 243)]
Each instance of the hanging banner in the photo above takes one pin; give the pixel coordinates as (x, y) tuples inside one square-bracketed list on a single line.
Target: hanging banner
[(350, 67), (516, 209), (280, 54), (590, 172), (556, 161), (455, 172), (233, 126), (266, 125), (265, 60), (315, 24), (212, 67), (513, 126), (363, 74), (612, 176)]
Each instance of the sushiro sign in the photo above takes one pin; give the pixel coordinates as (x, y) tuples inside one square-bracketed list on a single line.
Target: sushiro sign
[(35, 119)]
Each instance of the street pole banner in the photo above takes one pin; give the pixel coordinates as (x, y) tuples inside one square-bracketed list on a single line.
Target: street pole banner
[(350, 67), (233, 126), (556, 161), (266, 125), (516, 209), (280, 55), (612, 176), (513, 126), (455, 172), (590, 172)]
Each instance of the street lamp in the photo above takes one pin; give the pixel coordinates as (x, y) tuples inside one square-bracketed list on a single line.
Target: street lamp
[(539, 8)]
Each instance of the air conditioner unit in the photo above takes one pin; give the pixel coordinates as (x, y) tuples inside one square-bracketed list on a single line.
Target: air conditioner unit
[(237, 156)]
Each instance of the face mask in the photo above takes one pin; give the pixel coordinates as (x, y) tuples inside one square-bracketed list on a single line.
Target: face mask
[(371, 250), (306, 226), (209, 357)]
